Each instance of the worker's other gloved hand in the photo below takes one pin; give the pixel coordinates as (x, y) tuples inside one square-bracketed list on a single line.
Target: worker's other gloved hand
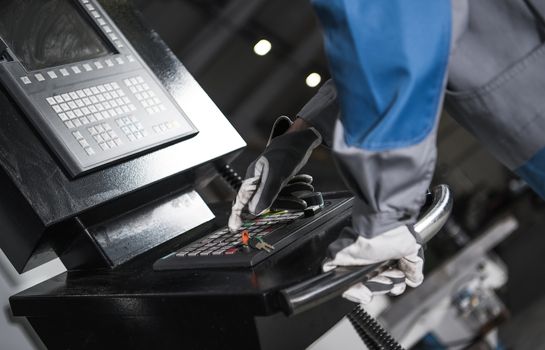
[(286, 153), (399, 244)]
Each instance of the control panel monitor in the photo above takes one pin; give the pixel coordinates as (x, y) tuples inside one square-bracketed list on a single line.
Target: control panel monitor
[(82, 85)]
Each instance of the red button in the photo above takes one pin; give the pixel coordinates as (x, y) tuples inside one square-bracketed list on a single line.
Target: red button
[(231, 251)]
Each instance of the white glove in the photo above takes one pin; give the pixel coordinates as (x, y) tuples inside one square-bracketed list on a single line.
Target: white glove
[(396, 244)]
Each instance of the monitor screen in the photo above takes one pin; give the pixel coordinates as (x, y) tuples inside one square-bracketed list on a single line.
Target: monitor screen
[(49, 33)]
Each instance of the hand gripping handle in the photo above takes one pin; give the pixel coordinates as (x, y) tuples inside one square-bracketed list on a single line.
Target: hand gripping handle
[(326, 286)]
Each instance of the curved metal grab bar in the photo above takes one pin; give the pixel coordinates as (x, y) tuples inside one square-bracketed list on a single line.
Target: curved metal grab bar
[(326, 286)]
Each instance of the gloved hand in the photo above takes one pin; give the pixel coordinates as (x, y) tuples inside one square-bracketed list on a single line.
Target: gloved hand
[(286, 153), (401, 244), (297, 194)]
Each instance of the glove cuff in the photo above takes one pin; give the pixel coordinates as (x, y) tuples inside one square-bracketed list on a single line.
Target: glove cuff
[(280, 126), (371, 223)]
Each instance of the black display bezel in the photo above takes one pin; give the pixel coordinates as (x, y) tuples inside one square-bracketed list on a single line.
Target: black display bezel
[(85, 16)]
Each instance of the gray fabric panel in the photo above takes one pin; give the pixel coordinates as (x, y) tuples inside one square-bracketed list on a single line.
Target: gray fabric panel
[(498, 34), (460, 20), (538, 7), (322, 110), (390, 186), (497, 80)]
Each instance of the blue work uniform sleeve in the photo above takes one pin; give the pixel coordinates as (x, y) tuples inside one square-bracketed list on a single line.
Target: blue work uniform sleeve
[(322, 111), (388, 59)]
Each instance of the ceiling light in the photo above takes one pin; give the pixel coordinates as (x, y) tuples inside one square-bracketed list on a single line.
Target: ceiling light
[(313, 80), (262, 47)]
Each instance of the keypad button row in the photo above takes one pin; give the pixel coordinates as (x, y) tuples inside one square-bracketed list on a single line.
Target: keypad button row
[(132, 127), (143, 93), (86, 106)]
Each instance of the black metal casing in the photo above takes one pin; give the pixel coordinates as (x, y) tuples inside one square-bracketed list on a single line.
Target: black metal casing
[(41, 202), (135, 307)]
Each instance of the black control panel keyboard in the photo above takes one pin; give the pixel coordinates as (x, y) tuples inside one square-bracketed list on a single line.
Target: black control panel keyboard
[(224, 242), (278, 229)]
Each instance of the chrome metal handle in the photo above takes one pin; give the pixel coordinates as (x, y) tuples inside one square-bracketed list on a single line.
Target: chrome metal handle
[(326, 286), (435, 217)]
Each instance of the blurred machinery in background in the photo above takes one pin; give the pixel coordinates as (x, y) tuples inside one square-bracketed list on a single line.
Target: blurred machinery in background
[(457, 306)]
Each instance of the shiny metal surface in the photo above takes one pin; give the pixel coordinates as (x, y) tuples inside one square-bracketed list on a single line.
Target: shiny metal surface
[(145, 228), (434, 218), (312, 292)]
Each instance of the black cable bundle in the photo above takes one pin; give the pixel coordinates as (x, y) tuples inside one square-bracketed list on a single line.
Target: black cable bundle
[(371, 332), (231, 177)]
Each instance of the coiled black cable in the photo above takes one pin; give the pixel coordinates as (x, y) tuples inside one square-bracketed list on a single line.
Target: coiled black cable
[(367, 340), (371, 332), (231, 177)]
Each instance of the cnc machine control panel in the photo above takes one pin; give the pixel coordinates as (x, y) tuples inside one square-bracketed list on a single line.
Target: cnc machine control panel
[(82, 85)]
